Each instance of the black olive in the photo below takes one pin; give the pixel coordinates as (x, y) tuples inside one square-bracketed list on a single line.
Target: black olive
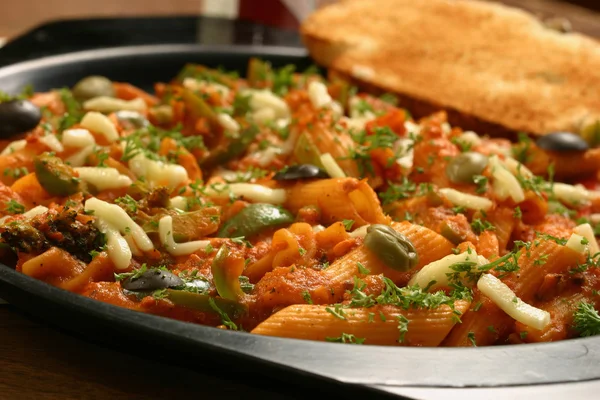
[(562, 141), (153, 279), (18, 116), (300, 171)]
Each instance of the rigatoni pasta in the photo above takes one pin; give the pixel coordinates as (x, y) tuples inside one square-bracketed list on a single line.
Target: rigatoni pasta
[(285, 205)]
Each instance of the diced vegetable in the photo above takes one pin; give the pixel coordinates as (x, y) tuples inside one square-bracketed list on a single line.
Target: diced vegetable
[(56, 177), (201, 302), (226, 271)]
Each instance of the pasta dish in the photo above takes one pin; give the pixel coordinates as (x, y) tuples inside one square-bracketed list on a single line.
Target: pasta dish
[(286, 204)]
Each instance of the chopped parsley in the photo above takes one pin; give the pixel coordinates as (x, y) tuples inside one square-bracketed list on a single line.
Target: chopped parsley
[(307, 298), (586, 320), (346, 338), (348, 223), (481, 182), (479, 226), (14, 207), (362, 269)]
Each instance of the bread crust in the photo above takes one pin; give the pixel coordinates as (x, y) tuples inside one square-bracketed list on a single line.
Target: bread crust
[(494, 68)]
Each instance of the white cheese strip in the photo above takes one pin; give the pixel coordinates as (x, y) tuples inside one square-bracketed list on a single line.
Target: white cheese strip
[(118, 219), (412, 128), (179, 202), (446, 128), (105, 104), (318, 228), (14, 146), (587, 232), (266, 156), (249, 191), (53, 143), (77, 138), (359, 232), (35, 211), (517, 168), (103, 178), (572, 194), (165, 231), (158, 173), (466, 200), (504, 183), (471, 138), (331, 166), (116, 246), (132, 246), (261, 100), (437, 271), (404, 149), (318, 95), (79, 159), (228, 123), (101, 124), (202, 86), (577, 243), (506, 299)]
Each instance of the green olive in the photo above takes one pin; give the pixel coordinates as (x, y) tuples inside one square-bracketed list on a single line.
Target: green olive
[(93, 86), (56, 177), (393, 248), (463, 167), (591, 133)]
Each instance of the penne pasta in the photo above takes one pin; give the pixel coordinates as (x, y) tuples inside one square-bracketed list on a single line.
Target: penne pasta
[(312, 322)]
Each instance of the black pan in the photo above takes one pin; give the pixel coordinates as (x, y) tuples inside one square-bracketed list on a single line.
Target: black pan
[(558, 370)]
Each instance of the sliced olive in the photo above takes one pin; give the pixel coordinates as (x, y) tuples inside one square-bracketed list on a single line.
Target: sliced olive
[(306, 152), (393, 248), (463, 167), (226, 273), (131, 119), (591, 133), (18, 116), (301, 171), (452, 233), (93, 86), (562, 141), (152, 279), (56, 177), (255, 218), (201, 302)]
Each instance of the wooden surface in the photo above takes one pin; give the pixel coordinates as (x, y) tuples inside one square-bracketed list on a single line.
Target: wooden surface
[(39, 362)]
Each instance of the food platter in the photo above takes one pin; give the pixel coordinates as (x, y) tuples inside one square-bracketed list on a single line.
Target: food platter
[(325, 365)]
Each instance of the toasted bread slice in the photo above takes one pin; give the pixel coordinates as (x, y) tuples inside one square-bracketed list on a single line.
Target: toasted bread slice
[(484, 62)]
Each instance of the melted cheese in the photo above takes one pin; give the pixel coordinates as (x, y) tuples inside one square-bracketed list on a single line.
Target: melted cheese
[(165, 231), (266, 156), (470, 138), (359, 232), (79, 159), (101, 124), (77, 138), (35, 211), (117, 247), (158, 173), (118, 219), (578, 243), (505, 184), (331, 166), (249, 191), (404, 149), (205, 86), (466, 200), (438, 270), (14, 146), (53, 143), (266, 106), (318, 95), (572, 194), (179, 202), (105, 104), (587, 232), (507, 300), (103, 178), (228, 123)]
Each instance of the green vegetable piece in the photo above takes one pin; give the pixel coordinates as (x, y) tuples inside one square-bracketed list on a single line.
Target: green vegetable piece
[(306, 152), (393, 248), (463, 167), (56, 177), (226, 272), (452, 233), (254, 219), (199, 107), (258, 72), (93, 86), (235, 148), (201, 302), (188, 226)]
